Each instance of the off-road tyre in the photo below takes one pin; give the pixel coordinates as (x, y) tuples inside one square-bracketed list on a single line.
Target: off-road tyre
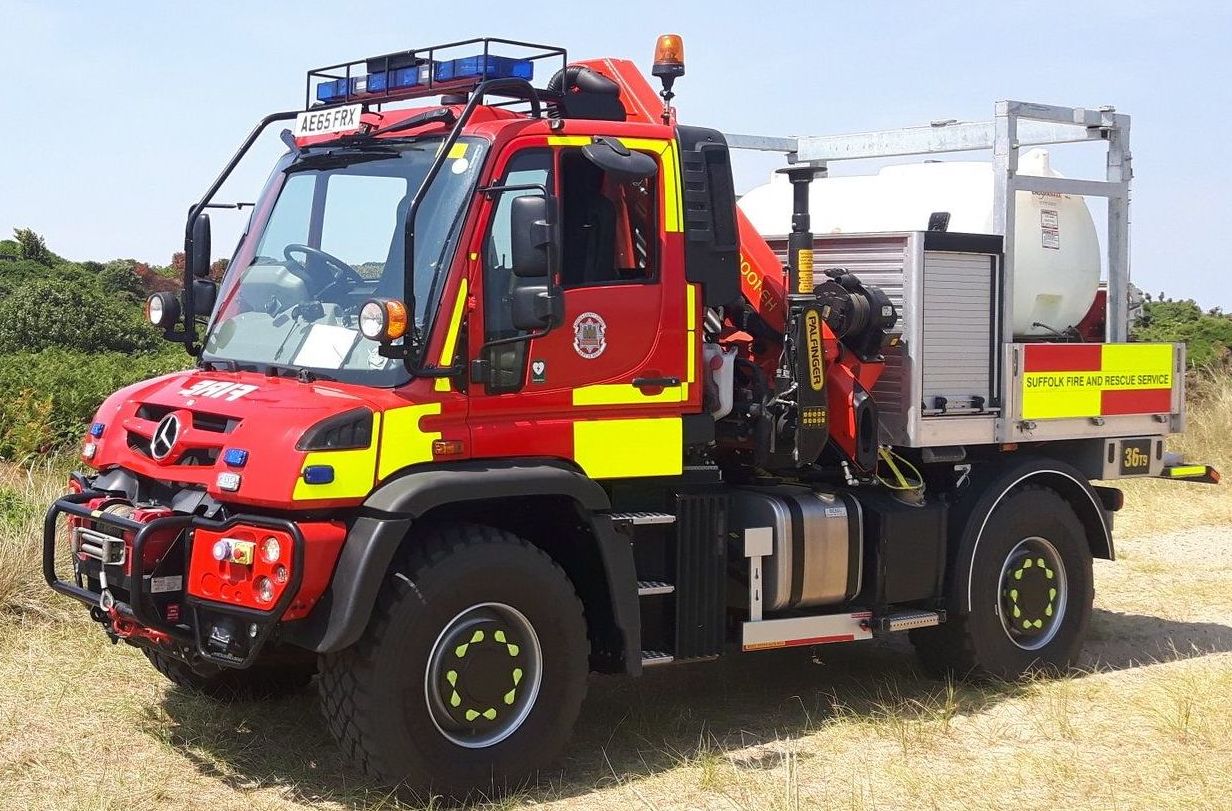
[(375, 694), (977, 644), (227, 684)]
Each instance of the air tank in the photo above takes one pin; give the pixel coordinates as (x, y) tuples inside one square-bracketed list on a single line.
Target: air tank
[(1056, 249)]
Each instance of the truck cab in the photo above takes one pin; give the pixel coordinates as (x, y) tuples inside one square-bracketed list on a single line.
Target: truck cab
[(504, 390)]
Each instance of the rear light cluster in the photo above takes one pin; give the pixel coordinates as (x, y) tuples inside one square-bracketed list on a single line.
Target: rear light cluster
[(243, 566)]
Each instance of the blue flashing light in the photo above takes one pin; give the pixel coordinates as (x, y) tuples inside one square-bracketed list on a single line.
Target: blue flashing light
[(337, 89), (485, 67), (318, 474), (400, 79), (96, 430), (235, 457)]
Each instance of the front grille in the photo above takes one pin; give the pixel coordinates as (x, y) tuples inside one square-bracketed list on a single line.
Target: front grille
[(138, 444), (201, 420)]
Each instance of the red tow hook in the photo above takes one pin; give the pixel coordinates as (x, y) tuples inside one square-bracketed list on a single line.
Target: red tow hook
[(125, 629)]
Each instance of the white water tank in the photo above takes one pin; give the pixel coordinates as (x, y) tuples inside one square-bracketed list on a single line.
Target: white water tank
[(1056, 249)]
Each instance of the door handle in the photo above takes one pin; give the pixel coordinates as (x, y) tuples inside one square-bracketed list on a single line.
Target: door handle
[(655, 382)]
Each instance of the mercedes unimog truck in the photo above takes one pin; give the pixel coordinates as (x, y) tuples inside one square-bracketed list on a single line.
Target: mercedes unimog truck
[(502, 388)]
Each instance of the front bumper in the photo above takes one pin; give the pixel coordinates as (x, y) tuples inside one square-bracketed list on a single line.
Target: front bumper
[(196, 634)]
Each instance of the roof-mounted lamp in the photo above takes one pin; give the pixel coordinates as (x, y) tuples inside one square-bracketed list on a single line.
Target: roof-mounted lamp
[(668, 65)]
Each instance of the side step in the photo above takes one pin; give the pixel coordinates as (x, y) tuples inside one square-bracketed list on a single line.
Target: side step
[(651, 588), (642, 518), (906, 620), (650, 658), (798, 631)]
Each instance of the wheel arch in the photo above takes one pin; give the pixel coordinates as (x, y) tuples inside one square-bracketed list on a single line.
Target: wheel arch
[(548, 502), (978, 507)]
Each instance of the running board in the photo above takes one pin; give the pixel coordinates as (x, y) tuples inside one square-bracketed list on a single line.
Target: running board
[(642, 518), (651, 588), (797, 631), (650, 658), (906, 620)]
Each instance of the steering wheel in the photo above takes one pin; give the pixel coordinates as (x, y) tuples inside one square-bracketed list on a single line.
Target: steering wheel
[(342, 271)]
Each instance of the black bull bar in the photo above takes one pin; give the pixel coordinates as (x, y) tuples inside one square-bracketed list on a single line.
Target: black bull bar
[(140, 608)]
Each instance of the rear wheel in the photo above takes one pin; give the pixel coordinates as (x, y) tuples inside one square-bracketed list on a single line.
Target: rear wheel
[(471, 672), (262, 680), (1031, 594)]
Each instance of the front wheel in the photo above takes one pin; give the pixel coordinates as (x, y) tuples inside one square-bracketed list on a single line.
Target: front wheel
[(1031, 594), (471, 672)]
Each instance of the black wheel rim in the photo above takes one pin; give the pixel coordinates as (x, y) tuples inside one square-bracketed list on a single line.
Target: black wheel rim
[(483, 675), (1033, 593)]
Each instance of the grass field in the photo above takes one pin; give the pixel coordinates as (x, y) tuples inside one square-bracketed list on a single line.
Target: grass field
[(1147, 725)]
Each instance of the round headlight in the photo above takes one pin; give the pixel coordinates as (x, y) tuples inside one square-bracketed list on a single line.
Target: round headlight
[(372, 320), (271, 550), (162, 310), (221, 550), (382, 320)]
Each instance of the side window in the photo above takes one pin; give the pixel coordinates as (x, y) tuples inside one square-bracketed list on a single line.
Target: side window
[(533, 167), (609, 225)]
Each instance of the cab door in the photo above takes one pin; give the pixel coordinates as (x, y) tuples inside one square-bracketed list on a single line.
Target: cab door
[(606, 389)]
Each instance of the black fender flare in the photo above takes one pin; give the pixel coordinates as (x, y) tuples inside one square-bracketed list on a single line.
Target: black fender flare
[(340, 617), (978, 506)]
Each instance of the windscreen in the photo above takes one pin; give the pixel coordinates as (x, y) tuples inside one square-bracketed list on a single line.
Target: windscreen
[(335, 237)]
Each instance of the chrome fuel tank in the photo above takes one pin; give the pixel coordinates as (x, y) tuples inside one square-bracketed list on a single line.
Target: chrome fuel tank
[(818, 551)]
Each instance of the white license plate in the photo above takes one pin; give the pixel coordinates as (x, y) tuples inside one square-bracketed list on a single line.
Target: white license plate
[(323, 122)]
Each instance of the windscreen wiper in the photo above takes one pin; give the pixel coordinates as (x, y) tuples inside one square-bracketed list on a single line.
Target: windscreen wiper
[(300, 373), (441, 115), (343, 156)]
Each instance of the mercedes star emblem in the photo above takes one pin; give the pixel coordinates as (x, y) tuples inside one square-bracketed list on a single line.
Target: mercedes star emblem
[(165, 435)]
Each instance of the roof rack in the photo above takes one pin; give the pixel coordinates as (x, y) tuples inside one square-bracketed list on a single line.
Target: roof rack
[(453, 67)]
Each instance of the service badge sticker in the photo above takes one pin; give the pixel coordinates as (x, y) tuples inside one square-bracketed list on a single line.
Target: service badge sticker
[(589, 335)]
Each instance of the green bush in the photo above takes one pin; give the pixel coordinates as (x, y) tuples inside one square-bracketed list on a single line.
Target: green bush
[(119, 279), (59, 313), (51, 395), (1207, 335), (32, 246)]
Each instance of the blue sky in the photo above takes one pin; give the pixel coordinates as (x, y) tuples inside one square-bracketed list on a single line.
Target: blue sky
[(120, 113)]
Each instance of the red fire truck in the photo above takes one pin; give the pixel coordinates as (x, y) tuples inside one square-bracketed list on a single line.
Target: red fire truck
[(505, 390)]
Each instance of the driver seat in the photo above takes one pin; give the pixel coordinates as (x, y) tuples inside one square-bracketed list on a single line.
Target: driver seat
[(390, 285)]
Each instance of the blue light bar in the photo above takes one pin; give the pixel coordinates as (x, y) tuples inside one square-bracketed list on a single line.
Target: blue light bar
[(337, 89), (402, 79), (96, 430), (485, 67)]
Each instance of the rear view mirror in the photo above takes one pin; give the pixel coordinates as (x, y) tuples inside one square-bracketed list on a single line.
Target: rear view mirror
[(533, 236), (205, 292), (619, 161), (537, 307), (200, 259)]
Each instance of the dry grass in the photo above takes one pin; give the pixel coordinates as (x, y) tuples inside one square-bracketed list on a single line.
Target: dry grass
[(86, 725)]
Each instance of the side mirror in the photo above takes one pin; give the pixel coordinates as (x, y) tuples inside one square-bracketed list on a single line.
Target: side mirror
[(532, 228), (200, 259), (205, 294), (537, 307)]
